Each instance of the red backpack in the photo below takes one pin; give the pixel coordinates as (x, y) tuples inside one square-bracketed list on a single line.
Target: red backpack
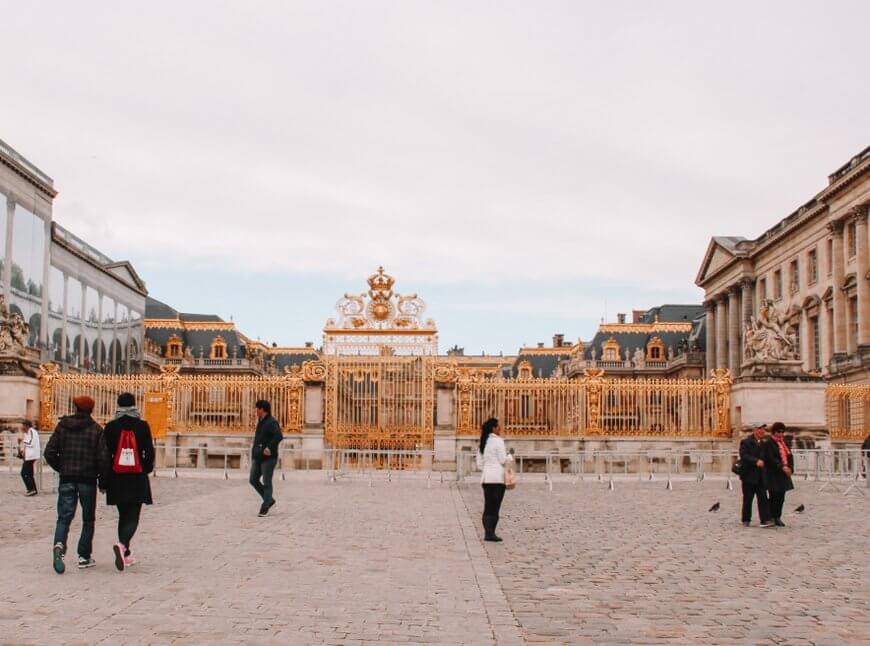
[(127, 454)]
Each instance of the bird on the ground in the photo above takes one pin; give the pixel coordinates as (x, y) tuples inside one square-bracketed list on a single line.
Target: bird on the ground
[(715, 507), (800, 509)]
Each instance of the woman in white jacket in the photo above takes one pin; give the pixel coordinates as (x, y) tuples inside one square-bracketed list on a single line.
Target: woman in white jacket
[(30, 451), (491, 459)]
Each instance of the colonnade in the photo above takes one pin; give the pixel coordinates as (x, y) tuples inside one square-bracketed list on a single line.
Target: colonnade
[(834, 325)]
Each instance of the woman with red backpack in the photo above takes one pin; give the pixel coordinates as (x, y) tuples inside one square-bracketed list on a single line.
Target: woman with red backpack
[(131, 449)]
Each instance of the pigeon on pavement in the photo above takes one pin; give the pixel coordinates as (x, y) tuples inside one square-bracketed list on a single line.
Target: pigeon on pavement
[(800, 509), (715, 507)]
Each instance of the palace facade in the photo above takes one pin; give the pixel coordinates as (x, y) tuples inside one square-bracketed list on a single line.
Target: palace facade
[(812, 268), (61, 300)]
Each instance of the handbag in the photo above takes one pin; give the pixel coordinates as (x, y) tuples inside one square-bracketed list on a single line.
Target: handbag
[(737, 468), (510, 479)]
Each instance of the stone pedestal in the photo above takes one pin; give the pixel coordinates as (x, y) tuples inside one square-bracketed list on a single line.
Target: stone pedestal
[(445, 445), (800, 405), (773, 368), (19, 399)]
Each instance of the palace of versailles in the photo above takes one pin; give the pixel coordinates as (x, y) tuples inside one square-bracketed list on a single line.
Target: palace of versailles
[(783, 332)]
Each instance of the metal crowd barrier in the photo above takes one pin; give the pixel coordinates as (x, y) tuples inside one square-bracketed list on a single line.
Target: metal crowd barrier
[(840, 470), (381, 464), (834, 468)]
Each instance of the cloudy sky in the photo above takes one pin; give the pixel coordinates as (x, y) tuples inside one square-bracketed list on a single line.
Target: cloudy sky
[(525, 167)]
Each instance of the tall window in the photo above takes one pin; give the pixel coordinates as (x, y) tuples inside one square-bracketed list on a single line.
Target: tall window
[(830, 256), (817, 344), (853, 318), (762, 290), (3, 217), (852, 239), (794, 277), (813, 267), (777, 284)]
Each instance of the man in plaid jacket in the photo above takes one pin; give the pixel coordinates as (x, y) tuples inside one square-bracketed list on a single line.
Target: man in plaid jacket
[(77, 451)]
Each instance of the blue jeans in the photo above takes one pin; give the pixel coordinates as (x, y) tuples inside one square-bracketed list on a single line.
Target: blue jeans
[(69, 494), (264, 469)]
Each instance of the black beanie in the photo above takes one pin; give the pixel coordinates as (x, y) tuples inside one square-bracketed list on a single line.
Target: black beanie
[(125, 400)]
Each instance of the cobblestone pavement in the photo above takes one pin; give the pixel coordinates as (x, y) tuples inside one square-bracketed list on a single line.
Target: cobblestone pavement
[(346, 563), (642, 565)]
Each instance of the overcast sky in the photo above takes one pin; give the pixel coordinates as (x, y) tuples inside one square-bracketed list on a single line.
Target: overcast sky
[(524, 167)]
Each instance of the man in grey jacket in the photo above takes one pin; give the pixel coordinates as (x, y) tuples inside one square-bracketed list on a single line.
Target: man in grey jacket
[(264, 454)]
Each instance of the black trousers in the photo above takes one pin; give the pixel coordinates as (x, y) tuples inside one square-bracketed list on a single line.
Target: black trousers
[(777, 500), (493, 494), (750, 491), (27, 475), (128, 523), (263, 469)]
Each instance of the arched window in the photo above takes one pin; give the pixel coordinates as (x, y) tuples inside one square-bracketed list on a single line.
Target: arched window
[(173, 347), (218, 348), (610, 350), (655, 350)]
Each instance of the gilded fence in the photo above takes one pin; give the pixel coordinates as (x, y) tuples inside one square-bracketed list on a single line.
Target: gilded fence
[(176, 402), (847, 410), (595, 405)]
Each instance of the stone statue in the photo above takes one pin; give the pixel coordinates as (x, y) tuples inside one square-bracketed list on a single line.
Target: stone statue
[(627, 355), (670, 353), (592, 353), (769, 337), (13, 331), (639, 358), (188, 355)]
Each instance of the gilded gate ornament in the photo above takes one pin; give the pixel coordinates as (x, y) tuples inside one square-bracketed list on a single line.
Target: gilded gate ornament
[(721, 380), (48, 373), (592, 380)]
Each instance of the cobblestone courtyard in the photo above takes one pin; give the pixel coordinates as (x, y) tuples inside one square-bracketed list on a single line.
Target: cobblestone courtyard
[(398, 562)]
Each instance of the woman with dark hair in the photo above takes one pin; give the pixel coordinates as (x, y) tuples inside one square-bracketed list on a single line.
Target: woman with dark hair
[(491, 458), (778, 467)]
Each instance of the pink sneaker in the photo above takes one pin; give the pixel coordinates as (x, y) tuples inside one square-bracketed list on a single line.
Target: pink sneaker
[(129, 560), (120, 559)]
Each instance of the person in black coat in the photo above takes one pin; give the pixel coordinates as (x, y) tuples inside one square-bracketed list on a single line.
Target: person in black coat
[(778, 467), (264, 454), (752, 477), (128, 491)]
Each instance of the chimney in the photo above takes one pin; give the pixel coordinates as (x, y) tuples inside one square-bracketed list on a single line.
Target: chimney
[(637, 316), (309, 344), (620, 318), (558, 340), (540, 344)]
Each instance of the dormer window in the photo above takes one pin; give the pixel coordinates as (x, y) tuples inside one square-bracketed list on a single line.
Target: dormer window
[(655, 350), (218, 348), (524, 371), (610, 350), (173, 347)]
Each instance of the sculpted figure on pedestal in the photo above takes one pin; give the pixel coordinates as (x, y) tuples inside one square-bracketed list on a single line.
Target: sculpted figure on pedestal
[(769, 337), (13, 331)]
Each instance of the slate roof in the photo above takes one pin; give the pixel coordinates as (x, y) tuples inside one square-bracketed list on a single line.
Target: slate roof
[(155, 309), (543, 365), (673, 313)]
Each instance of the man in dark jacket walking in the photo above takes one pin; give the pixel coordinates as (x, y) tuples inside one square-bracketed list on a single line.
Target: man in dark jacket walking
[(128, 491), (865, 455), (264, 454), (77, 452), (752, 477)]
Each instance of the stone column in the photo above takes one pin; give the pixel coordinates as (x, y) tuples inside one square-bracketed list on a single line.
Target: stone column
[(836, 229), (44, 340), (851, 337), (709, 307), (748, 288), (863, 268), (734, 330), (7, 266), (721, 332)]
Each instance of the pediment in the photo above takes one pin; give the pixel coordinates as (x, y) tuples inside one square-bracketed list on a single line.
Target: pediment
[(124, 270), (715, 259)]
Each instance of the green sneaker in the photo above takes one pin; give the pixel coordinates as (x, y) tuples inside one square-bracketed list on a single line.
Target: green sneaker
[(57, 561)]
